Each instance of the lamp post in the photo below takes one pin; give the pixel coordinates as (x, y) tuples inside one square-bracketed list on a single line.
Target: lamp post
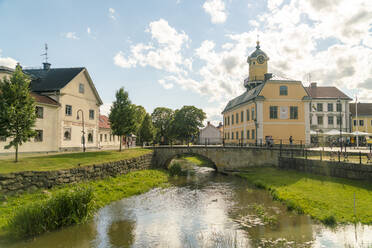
[(77, 117), (340, 110)]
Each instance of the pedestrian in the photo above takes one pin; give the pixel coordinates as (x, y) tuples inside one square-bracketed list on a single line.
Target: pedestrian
[(290, 140)]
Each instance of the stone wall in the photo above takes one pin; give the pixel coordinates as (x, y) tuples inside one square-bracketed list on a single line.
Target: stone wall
[(31, 180), (328, 168)]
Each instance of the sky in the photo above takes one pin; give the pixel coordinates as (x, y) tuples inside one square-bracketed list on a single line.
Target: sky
[(170, 53)]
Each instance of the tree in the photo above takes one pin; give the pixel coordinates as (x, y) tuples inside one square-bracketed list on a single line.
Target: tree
[(162, 119), (140, 113), (187, 122), (122, 115), (17, 110), (146, 131)]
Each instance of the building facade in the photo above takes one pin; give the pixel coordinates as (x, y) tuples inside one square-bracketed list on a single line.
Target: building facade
[(363, 121), (65, 99), (106, 139), (329, 109), (272, 108), (210, 135)]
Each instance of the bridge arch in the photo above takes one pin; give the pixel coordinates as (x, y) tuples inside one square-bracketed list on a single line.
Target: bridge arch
[(211, 164)]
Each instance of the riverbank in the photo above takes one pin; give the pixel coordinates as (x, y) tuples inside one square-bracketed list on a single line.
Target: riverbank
[(330, 200), (104, 191)]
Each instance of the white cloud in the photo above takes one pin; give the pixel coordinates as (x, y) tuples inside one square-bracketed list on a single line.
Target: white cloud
[(88, 30), (71, 35), (7, 61), (166, 85), (216, 9), (112, 13), (105, 108)]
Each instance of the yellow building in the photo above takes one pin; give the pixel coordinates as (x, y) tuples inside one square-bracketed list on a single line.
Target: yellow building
[(362, 122), (272, 109)]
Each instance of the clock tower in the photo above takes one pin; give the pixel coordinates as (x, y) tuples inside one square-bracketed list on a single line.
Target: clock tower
[(257, 64)]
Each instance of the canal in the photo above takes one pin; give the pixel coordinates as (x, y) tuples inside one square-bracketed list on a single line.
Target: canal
[(203, 209)]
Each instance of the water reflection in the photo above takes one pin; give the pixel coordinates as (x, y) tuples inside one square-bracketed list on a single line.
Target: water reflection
[(205, 210)]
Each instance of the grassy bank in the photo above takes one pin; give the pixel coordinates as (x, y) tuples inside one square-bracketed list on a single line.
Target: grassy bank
[(104, 192), (197, 160), (329, 200), (67, 160)]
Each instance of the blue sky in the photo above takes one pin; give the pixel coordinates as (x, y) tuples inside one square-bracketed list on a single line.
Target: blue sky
[(175, 53)]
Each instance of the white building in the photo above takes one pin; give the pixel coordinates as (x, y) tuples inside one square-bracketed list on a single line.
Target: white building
[(210, 135)]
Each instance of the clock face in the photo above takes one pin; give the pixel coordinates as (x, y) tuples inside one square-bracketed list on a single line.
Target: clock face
[(261, 59)]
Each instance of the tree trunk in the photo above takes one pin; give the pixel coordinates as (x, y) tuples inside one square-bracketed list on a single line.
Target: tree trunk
[(16, 154), (120, 143)]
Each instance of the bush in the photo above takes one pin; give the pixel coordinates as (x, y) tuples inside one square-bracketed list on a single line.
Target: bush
[(329, 220), (259, 184), (176, 170), (63, 209)]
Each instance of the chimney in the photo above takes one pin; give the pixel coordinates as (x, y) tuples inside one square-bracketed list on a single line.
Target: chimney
[(46, 66), (313, 85), (268, 76)]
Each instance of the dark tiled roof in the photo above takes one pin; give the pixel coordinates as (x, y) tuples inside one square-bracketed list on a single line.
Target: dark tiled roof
[(104, 122), (245, 97), (44, 99), (363, 109), (53, 79), (326, 92)]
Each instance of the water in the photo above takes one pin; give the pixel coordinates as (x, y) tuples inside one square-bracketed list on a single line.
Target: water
[(204, 210)]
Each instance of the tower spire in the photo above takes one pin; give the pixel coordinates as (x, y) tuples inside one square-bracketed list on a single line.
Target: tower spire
[(258, 41)]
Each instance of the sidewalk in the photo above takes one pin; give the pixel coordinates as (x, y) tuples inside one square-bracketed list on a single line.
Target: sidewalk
[(335, 149)]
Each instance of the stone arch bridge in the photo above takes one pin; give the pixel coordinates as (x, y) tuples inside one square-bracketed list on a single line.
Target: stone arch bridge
[(224, 158)]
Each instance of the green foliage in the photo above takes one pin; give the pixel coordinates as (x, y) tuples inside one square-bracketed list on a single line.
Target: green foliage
[(66, 208), (187, 122), (176, 170), (327, 199), (139, 115), (198, 160), (122, 115), (162, 119), (17, 110), (68, 160), (329, 220), (146, 131)]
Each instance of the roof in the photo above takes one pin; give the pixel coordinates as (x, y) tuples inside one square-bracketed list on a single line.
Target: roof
[(245, 97), (52, 79), (44, 99), (6, 69), (257, 52), (326, 92), (104, 122), (363, 109)]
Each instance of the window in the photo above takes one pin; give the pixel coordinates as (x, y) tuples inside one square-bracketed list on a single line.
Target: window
[(232, 119), (39, 136), (330, 107), (81, 88), (2, 138), (273, 112), (319, 107), (232, 135), (110, 137), (339, 121), (293, 112), (253, 134), (228, 135), (39, 112), (91, 114), (253, 117), (90, 137), (228, 120), (247, 114), (371, 122), (330, 120), (338, 107), (283, 90), (242, 135), (242, 116), (67, 134), (320, 120), (105, 137), (237, 118), (248, 134), (68, 110), (225, 121), (100, 137), (237, 135), (361, 123), (356, 122)]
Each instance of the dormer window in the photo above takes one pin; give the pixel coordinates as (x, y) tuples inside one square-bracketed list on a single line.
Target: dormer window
[(81, 88), (283, 90)]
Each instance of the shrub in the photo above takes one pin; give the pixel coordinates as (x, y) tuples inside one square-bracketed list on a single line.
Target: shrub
[(176, 170), (329, 220), (63, 209), (259, 184)]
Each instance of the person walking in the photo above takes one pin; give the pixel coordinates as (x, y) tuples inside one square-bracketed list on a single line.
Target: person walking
[(290, 140)]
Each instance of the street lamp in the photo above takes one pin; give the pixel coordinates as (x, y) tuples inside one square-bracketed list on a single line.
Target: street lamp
[(340, 110), (77, 117)]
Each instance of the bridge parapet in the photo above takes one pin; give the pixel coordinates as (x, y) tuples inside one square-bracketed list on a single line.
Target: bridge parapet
[(225, 158)]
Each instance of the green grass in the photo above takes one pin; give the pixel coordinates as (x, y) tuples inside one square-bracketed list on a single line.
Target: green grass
[(67, 161), (104, 191), (327, 199), (197, 160)]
